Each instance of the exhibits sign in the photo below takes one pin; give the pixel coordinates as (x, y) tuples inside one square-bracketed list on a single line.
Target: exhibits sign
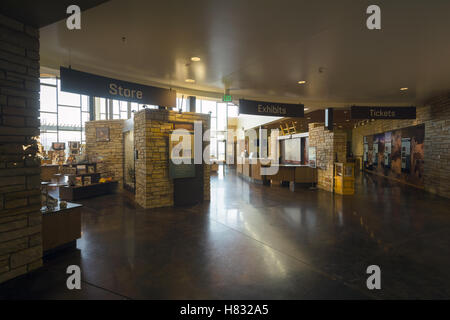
[(262, 108), (98, 86), (383, 112)]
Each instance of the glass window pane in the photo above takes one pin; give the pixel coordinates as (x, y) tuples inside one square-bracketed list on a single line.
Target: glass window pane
[(85, 117), (85, 103), (48, 98), (69, 117), (221, 116), (233, 110), (123, 115), (213, 126), (47, 137), (123, 106), (48, 119), (198, 105), (66, 98), (48, 80), (134, 107), (209, 106), (116, 107)]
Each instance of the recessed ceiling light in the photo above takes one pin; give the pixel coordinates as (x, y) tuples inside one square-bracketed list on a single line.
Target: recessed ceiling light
[(190, 80), (403, 89), (306, 109), (196, 59), (301, 82)]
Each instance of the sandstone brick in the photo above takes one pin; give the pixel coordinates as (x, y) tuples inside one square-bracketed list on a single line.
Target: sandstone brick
[(13, 273), (13, 246), (25, 256)]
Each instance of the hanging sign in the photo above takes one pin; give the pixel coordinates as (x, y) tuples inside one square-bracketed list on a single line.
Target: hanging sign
[(383, 112), (103, 87), (273, 109)]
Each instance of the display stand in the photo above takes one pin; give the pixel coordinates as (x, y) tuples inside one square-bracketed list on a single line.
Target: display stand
[(344, 178)]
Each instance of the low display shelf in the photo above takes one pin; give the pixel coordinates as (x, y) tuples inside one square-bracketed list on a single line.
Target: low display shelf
[(71, 193), (61, 227)]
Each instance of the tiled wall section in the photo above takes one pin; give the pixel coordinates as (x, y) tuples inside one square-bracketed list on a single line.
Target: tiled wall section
[(20, 202), (111, 151), (436, 118), (329, 145), (151, 136)]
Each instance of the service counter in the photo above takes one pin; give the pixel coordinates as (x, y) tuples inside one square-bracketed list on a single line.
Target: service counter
[(250, 169), (285, 173)]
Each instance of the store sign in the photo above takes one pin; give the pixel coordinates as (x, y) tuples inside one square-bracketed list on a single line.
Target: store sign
[(383, 112), (274, 109), (103, 87)]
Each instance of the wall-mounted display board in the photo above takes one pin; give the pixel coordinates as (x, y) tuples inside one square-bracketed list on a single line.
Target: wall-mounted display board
[(397, 154), (312, 157), (181, 162), (291, 151), (99, 86)]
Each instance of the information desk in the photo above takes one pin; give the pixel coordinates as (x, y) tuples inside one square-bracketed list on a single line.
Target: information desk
[(60, 227)]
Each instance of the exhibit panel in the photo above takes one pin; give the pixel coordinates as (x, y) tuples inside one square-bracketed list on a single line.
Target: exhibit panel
[(397, 154)]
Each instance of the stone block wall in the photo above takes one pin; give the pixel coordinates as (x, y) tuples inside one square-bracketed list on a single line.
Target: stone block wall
[(20, 202), (435, 115), (329, 145), (151, 137), (111, 151)]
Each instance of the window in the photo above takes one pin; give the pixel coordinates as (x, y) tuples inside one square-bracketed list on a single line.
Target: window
[(220, 111), (233, 111), (62, 114)]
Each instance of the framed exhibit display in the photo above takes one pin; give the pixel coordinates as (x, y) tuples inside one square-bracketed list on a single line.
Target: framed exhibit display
[(102, 134), (74, 145), (58, 146), (312, 157)]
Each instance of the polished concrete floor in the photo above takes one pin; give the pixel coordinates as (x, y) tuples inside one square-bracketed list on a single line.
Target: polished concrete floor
[(257, 242)]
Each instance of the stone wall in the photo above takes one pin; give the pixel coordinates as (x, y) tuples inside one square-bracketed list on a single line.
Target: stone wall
[(20, 202), (151, 137), (435, 115), (111, 151), (329, 145)]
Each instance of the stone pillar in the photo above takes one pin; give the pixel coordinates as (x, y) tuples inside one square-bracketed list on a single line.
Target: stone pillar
[(329, 145), (20, 200), (154, 188)]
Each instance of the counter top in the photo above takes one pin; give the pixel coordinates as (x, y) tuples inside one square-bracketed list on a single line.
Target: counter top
[(70, 205)]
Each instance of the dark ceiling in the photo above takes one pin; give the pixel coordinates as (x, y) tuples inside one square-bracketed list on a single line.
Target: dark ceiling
[(43, 12)]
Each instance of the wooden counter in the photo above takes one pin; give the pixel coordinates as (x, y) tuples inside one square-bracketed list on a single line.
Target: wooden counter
[(61, 227)]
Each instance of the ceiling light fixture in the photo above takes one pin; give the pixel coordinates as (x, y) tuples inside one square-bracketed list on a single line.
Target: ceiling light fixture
[(195, 59), (190, 80), (301, 82), (403, 89), (306, 108)]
